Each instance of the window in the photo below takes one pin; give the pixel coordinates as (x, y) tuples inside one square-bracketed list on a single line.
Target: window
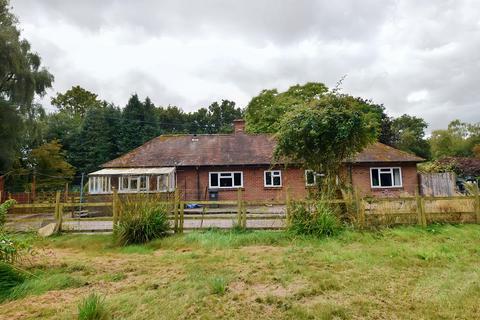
[(386, 177), (133, 183), (162, 183), (310, 178), (99, 185), (273, 178), (226, 179)]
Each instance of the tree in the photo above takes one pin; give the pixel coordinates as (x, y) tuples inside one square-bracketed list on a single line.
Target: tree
[(458, 140), (221, 116), (49, 164), (98, 138), (21, 78), (264, 111), (76, 101), (320, 136), (410, 132), (138, 123)]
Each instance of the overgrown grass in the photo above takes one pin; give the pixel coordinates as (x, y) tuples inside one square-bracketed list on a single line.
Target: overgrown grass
[(141, 222), (407, 272), (93, 307), (37, 285), (9, 279), (318, 219)]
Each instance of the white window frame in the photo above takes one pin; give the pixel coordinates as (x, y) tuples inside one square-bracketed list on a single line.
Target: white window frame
[(274, 174), (379, 180), (314, 178), (99, 185), (218, 181), (170, 182), (130, 179)]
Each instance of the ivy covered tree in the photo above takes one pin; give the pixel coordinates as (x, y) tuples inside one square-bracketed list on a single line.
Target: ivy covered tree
[(321, 135)]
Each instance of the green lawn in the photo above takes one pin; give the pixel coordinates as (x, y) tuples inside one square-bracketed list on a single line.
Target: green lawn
[(403, 273)]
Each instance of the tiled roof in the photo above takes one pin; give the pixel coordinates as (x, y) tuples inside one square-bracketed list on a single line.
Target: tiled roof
[(228, 149), (379, 152)]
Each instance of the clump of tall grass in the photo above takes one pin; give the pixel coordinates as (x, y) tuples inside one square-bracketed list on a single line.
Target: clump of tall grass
[(93, 307), (218, 285), (9, 279), (316, 219), (140, 221)]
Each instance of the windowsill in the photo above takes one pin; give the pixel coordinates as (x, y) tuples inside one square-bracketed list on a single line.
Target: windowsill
[(386, 188), (272, 187), (226, 188)]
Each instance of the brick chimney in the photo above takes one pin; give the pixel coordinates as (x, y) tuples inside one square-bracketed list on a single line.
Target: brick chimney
[(239, 125)]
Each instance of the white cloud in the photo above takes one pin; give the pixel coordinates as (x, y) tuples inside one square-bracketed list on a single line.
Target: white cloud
[(414, 57)]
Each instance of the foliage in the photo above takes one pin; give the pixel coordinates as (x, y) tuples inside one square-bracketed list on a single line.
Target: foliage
[(22, 77), (12, 249), (9, 279), (4, 210), (264, 111), (93, 308), (318, 219), (434, 167), (141, 222), (49, 162), (76, 101), (322, 135), (36, 285), (458, 140), (98, 138), (410, 135)]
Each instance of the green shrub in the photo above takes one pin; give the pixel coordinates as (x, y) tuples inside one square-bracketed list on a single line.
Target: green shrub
[(4, 209), (141, 222), (318, 219), (93, 308), (11, 249), (9, 279)]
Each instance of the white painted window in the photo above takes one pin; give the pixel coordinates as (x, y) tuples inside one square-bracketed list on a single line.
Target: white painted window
[(99, 184), (386, 177), (133, 183), (272, 178), (226, 179)]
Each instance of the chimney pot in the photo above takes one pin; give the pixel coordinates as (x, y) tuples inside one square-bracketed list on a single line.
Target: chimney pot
[(239, 125)]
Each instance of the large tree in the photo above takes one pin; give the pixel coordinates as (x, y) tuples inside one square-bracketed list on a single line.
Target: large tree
[(21, 78), (321, 135), (410, 131), (459, 139), (76, 101), (98, 138)]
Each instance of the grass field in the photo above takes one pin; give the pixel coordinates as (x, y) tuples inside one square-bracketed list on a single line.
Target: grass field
[(403, 273)]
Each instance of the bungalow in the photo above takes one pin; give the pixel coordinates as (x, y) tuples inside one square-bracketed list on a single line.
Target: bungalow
[(214, 166)]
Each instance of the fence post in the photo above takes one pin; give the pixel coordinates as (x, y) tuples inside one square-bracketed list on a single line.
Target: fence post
[(114, 209), (58, 222), (182, 209), (422, 219), (287, 208), (239, 207), (175, 211), (244, 215)]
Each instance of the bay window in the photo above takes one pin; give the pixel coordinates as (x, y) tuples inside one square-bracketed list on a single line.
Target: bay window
[(133, 183), (99, 184)]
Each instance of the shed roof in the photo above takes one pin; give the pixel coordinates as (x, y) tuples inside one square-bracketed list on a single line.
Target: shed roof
[(228, 149)]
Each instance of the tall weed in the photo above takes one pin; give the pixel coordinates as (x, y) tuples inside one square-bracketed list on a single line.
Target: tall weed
[(316, 219)]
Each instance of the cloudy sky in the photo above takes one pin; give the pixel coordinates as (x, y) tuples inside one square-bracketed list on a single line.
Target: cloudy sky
[(416, 57)]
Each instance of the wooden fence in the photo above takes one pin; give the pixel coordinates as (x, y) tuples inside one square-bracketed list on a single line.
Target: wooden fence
[(363, 212)]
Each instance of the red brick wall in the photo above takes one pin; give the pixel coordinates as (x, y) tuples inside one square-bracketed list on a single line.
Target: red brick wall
[(360, 174), (253, 183)]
